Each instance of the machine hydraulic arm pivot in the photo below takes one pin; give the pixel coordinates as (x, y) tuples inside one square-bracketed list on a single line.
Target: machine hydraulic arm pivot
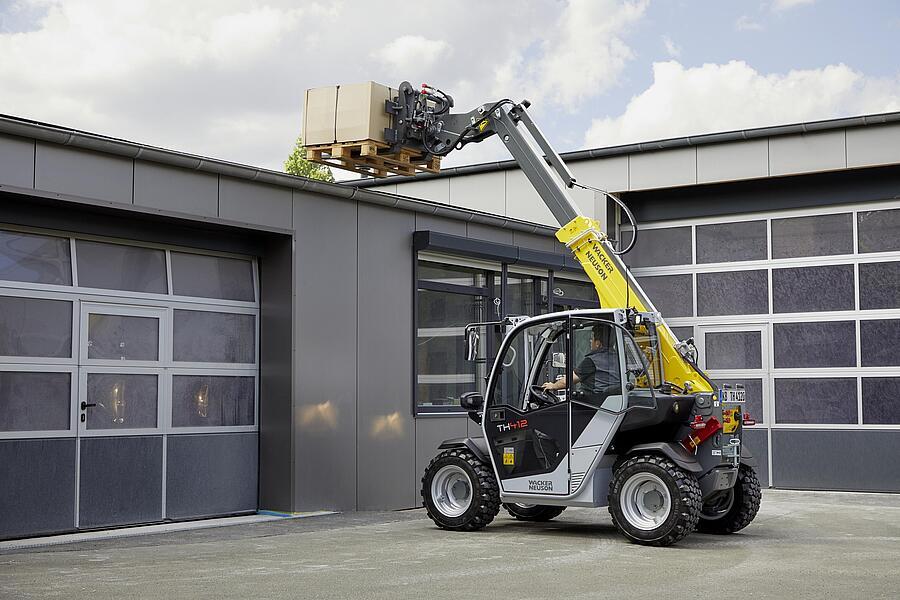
[(422, 120)]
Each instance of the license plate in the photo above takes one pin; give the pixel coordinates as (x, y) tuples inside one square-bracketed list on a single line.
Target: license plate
[(733, 396)]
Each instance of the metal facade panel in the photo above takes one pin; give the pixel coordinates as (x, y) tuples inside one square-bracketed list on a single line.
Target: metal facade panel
[(210, 475), (807, 152), (430, 432), (386, 438), (178, 190), (523, 202), (877, 145), (610, 174), (736, 160), (120, 481), (485, 192), (477, 231), (256, 203), (436, 190), (444, 225), (83, 173), (16, 161), (38, 491), (666, 168), (845, 460), (276, 362), (324, 457)]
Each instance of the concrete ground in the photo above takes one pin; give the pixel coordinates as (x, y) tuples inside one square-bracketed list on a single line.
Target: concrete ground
[(802, 545)]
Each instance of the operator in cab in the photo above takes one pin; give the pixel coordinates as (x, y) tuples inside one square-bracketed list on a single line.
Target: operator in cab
[(597, 375)]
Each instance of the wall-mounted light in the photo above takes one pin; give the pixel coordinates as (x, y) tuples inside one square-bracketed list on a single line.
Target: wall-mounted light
[(201, 401)]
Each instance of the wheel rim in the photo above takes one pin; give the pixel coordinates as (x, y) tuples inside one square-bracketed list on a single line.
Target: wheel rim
[(645, 501), (524, 506), (719, 507), (451, 491)]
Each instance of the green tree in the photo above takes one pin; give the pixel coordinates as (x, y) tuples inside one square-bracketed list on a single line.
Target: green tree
[(296, 164)]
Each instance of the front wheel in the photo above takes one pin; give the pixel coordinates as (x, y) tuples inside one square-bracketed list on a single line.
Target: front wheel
[(733, 509), (533, 512), (459, 491), (652, 501)]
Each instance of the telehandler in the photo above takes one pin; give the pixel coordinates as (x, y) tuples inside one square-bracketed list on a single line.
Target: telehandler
[(589, 408)]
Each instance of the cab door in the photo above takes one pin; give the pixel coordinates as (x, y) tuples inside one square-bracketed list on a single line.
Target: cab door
[(528, 430)]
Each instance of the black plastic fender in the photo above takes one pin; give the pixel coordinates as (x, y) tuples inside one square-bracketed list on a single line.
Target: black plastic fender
[(747, 457), (672, 450), (478, 446)]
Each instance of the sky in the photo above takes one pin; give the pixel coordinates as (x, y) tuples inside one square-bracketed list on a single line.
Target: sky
[(226, 78)]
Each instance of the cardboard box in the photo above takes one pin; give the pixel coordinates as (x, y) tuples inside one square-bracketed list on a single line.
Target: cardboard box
[(346, 113), (318, 116)]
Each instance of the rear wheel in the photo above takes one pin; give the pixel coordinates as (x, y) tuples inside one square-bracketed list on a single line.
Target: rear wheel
[(459, 491), (533, 512), (652, 501), (734, 509)]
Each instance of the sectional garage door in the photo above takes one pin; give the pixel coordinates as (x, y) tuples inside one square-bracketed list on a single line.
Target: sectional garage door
[(128, 383)]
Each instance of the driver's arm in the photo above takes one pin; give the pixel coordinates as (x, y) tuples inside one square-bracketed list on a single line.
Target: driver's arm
[(561, 382)]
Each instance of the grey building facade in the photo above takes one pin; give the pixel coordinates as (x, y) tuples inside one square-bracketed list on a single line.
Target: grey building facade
[(182, 337)]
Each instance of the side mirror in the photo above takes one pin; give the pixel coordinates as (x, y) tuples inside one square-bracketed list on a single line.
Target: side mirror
[(471, 401), (471, 344), (559, 360)]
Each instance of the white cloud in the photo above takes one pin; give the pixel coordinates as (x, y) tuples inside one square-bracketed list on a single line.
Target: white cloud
[(672, 49), (225, 78), (745, 23), (781, 5), (721, 97)]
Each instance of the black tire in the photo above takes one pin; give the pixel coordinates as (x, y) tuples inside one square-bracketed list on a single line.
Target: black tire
[(683, 495), (483, 490), (735, 510), (533, 512)]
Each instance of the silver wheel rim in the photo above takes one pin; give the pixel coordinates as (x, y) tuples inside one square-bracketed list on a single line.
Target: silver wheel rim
[(451, 491), (645, 501)]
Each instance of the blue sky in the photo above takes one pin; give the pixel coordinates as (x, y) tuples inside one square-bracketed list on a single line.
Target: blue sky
[(225, 78)]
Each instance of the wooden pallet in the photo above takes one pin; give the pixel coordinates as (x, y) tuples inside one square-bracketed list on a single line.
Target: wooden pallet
[(372, 158)]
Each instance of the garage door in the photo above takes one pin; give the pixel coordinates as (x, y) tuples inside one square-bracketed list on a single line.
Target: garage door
[(128, 383)]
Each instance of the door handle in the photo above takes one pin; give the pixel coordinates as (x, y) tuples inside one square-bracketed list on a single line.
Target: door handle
[(85, 405)]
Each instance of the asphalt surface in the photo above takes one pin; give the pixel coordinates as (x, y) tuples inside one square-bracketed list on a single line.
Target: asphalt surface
[(801, 545)]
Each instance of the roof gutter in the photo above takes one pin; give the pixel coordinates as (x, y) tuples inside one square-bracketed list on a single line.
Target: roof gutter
[(53, 134)]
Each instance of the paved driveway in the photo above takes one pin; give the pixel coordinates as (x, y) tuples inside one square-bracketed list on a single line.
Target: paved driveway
[(802, 545)]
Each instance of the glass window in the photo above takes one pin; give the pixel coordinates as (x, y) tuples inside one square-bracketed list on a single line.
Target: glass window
[(34, 401), (212, 401), (881, 401), (734, 350), (814, 344), (754, 391), (733, 293), (529, 361), (118, 337), (119, 267), (672, 295), (595, 362), (820, 235), (819, 400), (879, 230), (731, 242), (683, 333), (812, 289), (451, 274), (214, 337), (35, 258), (879, 285), (567, 289), (879, 342), (442, 373), (524, 295), (35, 327), (658, 247), (212, 277), (122, 401)]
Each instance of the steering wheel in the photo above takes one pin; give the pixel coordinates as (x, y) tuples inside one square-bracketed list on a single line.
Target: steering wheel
[(543, 397)]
